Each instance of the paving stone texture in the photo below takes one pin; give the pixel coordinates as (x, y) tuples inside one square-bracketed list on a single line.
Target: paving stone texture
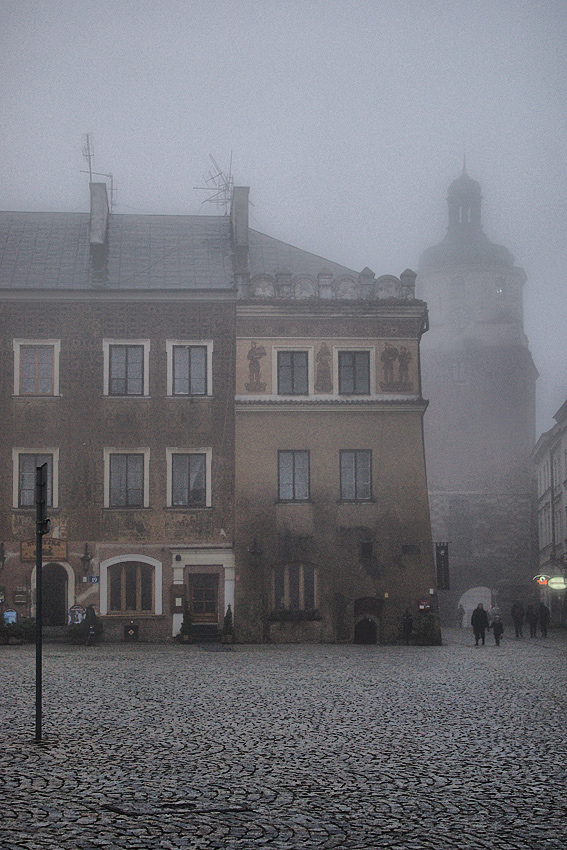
[(287, 747)]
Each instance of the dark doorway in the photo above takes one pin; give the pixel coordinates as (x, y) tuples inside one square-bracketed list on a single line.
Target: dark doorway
[(54, 585), (204, 596), (365, 631)]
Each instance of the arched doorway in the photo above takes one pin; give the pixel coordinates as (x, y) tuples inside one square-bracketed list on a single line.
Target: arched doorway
[(366, 631), (54, 595), (470, 599)]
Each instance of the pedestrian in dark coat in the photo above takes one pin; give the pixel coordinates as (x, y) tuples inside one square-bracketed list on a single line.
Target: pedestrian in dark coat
[(497, 629), (479, 622), (518, 613), (544, 617), (532, 616)]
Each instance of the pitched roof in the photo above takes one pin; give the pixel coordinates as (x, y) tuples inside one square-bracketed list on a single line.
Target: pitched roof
[(50, 250)]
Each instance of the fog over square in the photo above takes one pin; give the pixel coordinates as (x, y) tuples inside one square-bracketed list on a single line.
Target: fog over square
[(348, 120)]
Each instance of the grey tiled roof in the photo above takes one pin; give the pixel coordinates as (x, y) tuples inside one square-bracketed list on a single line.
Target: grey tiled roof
[(269, 255), (51, 251)]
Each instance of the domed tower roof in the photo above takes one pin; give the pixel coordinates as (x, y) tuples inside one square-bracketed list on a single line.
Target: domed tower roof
[(466, 241)]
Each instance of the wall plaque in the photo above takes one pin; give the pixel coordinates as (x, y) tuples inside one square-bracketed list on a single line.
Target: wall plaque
[(52, 547)]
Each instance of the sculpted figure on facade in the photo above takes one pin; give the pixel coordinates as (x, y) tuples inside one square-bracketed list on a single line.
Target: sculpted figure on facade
[(255, 354), (324, 381)]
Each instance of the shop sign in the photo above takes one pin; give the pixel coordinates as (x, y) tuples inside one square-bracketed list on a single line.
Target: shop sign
[(541, 580), (557, 582), (53, 548)]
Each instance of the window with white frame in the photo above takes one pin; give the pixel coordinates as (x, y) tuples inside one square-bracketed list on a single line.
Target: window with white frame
[(126, 367), (293, 372), (126, 477), (356, 475), (25, 463), (36, 367), (131, 588), (354, 372), (189, 367), (189, 478), (293, 476)]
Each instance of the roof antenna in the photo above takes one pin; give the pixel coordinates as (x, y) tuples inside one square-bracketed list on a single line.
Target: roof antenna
[(88, 153), (220, 183)]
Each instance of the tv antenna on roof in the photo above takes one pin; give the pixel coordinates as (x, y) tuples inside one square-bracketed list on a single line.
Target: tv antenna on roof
[(88, 153), (220, 183)]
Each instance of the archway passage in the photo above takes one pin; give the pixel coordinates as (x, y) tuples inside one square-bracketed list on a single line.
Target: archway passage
[(54, 587), (365, 631)]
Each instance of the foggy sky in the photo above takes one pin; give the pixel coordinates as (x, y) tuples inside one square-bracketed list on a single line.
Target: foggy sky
[(348, 120)]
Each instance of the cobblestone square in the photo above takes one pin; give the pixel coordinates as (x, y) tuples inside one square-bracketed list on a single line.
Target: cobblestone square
[(154, 746)]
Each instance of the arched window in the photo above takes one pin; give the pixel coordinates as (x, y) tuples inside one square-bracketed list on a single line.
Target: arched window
[(130, 588)]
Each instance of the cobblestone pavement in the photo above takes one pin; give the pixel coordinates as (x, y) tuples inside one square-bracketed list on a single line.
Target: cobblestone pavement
[(287, 747)]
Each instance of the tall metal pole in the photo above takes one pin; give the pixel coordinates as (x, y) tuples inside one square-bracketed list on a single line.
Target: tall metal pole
[(41, 528), (38, 628)]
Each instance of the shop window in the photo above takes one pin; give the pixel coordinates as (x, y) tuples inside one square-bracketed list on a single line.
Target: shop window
[(130, 588)]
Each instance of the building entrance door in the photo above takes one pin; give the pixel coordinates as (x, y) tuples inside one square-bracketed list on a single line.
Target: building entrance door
[(204, 595), (54, 595)]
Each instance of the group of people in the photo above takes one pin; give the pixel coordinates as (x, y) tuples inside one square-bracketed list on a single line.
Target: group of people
[(533, 614), (483, 621)]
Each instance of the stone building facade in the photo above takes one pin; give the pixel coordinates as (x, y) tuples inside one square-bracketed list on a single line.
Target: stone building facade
[(550, 468), (480, 378), (227, 420)]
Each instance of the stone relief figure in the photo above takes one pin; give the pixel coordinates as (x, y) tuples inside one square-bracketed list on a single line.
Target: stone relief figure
[(324, 381), (388, 358), (255, 354), (404, 359)]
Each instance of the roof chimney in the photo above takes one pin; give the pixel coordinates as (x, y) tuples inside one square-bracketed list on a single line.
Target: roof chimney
[(239, 215), (239, 233), (99, 214)]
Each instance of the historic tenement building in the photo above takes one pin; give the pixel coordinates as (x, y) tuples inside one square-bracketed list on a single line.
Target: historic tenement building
[(550, 467), (480, 427), (227, 420)]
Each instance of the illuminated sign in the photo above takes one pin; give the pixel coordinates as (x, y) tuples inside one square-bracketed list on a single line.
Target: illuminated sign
[(557, 582), (541, 580)]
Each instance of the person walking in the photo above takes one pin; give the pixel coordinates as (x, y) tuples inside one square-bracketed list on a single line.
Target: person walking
[(91, 620), (518, 614), (544, 617), (479, 622), (532, 616), (497, 629)]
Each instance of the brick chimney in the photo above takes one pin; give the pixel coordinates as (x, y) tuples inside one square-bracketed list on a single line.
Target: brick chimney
[(239, 236), (99, 214)]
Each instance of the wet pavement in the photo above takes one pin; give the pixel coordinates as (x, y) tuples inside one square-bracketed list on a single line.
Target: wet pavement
[(287, 747)]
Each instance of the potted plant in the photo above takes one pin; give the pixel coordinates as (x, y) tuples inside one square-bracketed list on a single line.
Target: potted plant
[(227, 627), (185, 632)]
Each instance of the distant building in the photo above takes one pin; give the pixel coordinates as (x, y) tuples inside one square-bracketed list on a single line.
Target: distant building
[(226, 419), (550, 466), (480, 378)]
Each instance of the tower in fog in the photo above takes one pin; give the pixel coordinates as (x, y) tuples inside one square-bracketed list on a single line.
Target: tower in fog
[(479, 377)]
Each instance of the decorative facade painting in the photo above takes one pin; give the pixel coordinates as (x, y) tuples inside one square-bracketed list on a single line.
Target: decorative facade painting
[(395, 369), (255, 384)]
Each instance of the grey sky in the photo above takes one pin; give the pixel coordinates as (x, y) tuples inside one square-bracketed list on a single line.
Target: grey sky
[(348, 120)]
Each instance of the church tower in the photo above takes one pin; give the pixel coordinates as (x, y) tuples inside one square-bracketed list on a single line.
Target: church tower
[(479, 377)]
